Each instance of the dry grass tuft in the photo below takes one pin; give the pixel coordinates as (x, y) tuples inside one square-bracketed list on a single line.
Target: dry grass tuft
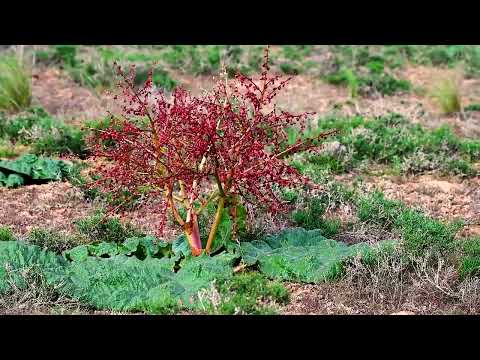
[(446, 93)]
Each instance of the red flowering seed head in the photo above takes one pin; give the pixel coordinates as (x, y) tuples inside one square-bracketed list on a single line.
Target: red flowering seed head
[(234, 136)]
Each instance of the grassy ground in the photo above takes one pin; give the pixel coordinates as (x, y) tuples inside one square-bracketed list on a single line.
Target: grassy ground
[(415, 160)]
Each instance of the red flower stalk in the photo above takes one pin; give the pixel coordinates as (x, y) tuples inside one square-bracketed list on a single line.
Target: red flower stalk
[(176, 149)]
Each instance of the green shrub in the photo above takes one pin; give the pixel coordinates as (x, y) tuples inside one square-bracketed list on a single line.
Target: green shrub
[(386, 84), (160, 78), (472, 107), (53, 241), (76, 178), (377, 210), (469, 266), (245, 293), (470, 261), (311, 216), (9, 150), (98, 228), (59, 138), (6, 234), (421, 233), (290, 195), (444, 55), (363, 72), (290, 69), (15, 85), (472, 246), (45, 134), (67, 54)]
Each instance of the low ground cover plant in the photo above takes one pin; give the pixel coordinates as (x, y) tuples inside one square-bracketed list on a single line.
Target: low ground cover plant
[(393, 141), (43, 134), (30, 168)]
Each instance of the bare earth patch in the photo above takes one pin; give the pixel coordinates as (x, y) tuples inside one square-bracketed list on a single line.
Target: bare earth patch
[(52, 206), (441, 198), (342, 299), (63, 98)]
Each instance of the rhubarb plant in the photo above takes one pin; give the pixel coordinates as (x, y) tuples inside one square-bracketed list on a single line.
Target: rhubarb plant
[(180, 154)]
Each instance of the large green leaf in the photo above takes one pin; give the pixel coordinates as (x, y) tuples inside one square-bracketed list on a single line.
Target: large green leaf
[(14, 180), (180, 246), (22, 165), (300, 255), (47, 169), (37, 168), (16, 256), (128, 284), (78, 253), (120, 283), (141, 247)]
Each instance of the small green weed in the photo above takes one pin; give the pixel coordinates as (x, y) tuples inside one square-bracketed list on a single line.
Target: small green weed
[(311, 216), (53, 241), (247, 293), (98, 228), (43, 133), (375, 209), (6, 234)]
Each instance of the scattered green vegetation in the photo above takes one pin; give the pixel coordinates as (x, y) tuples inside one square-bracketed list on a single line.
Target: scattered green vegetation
[(419, 232), (6, 234), (364, 73), (383, 83), (247, 293), (100, 228), (15, 85), (53, 241), (44, 134), (30, 168), (160, 78), (470, 261), (379, 211), (393, 141), (395, 56), (311, 216), (472, 107)]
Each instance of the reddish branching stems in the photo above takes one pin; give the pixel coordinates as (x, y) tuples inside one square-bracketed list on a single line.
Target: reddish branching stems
[(188, 151)]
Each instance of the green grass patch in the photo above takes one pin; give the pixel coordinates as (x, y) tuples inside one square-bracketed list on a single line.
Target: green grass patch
[(470, 260), (249, 293), (391, 141), (43, 134), (52, 240), (6, 234), (15, 85), (100, 228)]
